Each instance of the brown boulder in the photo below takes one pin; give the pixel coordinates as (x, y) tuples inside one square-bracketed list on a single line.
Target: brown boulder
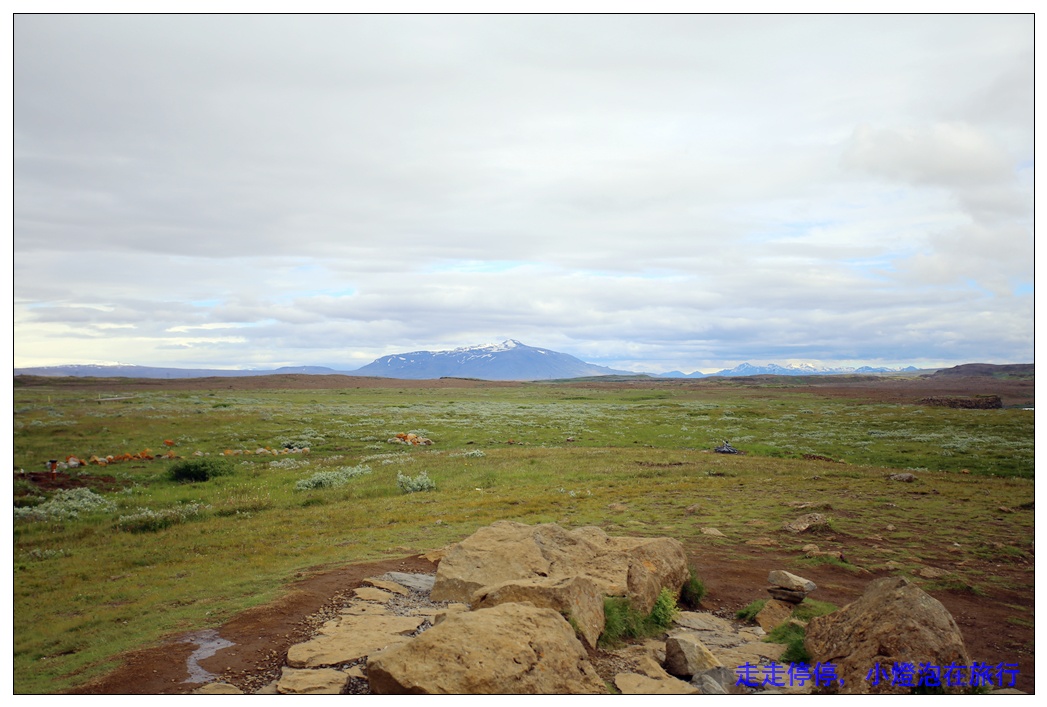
[(506, 649), (621, 566), (893, 621), (576, 598)]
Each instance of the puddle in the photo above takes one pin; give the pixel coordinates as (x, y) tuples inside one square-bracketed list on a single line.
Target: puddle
[(208, 643)]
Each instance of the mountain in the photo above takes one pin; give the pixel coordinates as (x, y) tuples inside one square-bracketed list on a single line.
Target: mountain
[(126, 370), (774, 369), (509, 360)]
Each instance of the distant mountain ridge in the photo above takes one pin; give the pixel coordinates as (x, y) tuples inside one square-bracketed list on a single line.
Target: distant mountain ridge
[(129, 370), (774, 369), (508, 360)]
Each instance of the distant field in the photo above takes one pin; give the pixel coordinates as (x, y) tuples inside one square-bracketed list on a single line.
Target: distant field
[(632, 457)]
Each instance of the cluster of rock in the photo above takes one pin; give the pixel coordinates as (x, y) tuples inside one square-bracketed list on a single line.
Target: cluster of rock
[(518, 609), (409, 438)]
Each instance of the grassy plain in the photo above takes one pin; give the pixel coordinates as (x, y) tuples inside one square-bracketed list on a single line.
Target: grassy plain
[(85, 590)]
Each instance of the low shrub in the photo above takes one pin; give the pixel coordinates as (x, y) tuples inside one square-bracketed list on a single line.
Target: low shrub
[(65, 504), (149, 521), (422, 482), (331, 479), (194, 470)]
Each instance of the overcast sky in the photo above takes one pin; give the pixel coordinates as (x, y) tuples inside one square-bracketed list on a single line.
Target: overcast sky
[(647, 192)]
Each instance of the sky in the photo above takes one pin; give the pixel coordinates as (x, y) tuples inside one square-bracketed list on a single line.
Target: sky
[(650, 192)]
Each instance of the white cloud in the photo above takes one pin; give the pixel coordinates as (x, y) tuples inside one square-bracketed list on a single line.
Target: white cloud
[(689, 191)]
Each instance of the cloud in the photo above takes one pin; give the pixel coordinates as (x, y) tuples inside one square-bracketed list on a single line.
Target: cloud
[(688, 191)]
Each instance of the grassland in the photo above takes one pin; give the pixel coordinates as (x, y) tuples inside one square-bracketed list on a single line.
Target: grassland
[(87, 588)]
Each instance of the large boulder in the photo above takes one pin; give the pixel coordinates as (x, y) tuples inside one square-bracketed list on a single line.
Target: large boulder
[(637, 568), (893, 621), (578, 599), (506, 649)]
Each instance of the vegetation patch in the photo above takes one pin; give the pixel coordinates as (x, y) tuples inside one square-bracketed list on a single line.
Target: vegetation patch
[(197, 470), (623, 622)]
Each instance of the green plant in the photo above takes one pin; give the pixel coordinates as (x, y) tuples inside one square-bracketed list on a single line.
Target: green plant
[(792, 635), (693, 590), (663, 612), (809, 608), (622, 621), (194, 470), (422, 482), (749, 611)]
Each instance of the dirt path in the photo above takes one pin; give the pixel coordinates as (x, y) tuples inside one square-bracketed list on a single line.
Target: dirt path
[(261, 636)]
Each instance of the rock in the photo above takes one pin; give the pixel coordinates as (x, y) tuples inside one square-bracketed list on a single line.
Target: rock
[(762, 542), (835, 554), (714, 532), (931, 572), (786, 595), (752, 652), (417, 582), (506, 649), (454, 608), (810, 521), (718, 681), (810, 547), (707, 685), (387, 585), (621, 566), (773, 614), (702, 621), (633, 684), (893, 621), (325, 681), (365, 608), (576, 598), (218, 688), (351, 637), (788, 580), (372, 594), (908, 478), (685, 655), (268, 688)]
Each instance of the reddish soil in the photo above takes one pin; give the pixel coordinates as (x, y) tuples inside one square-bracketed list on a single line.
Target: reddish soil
[(263, 635)]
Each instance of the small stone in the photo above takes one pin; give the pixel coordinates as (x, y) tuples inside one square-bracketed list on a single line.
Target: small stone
[(806, 522), (931, 572), (218, 688), (788, 580)]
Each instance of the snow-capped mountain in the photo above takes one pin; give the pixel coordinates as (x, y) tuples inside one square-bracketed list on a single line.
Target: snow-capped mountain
[(774, 369), (508, 360)]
